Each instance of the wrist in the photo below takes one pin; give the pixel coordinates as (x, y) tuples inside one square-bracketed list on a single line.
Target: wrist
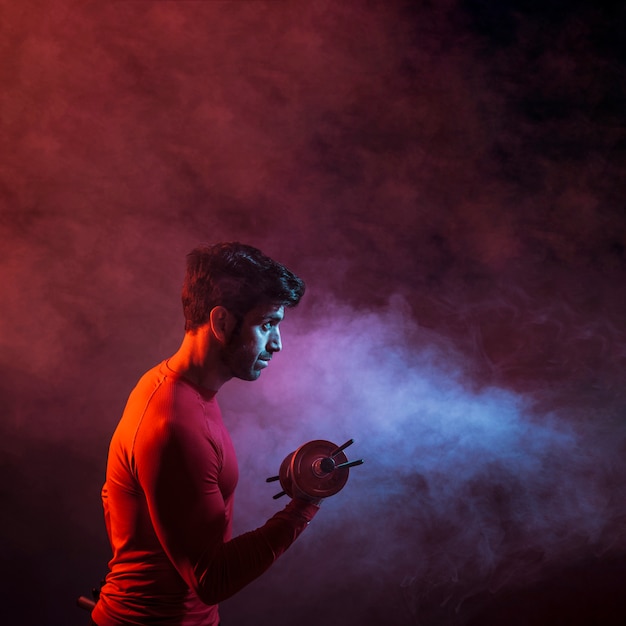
[(305, 508)]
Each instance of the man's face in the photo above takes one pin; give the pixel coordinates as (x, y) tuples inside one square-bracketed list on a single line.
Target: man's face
[(251, 346)]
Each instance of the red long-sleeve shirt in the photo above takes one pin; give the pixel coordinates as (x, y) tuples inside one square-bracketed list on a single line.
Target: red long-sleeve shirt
[(168, 504)]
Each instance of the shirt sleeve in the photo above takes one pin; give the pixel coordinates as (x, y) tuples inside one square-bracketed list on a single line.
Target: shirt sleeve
[(179, 471)]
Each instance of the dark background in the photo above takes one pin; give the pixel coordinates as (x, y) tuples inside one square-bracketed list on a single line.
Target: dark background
[(448, 177)]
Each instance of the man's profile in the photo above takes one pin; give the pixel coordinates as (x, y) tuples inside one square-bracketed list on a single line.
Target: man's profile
[(172, 470)]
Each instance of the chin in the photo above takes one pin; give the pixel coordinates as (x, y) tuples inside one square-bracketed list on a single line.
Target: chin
[(249, 376)]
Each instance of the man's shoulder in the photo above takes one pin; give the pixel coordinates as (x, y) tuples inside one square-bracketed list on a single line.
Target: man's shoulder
[(164, 392)]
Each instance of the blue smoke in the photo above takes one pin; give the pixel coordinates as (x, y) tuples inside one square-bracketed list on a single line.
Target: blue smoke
[(464, 490)]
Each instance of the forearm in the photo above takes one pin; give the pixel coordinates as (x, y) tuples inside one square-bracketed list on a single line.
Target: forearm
[(224, 571)]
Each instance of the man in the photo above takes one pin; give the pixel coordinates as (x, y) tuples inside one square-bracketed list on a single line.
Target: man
[(172, 470)]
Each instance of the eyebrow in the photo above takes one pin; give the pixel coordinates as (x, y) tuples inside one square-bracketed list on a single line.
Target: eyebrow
[(273, 317)]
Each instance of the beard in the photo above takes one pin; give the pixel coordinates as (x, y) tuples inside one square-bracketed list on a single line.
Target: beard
[(243, 359)]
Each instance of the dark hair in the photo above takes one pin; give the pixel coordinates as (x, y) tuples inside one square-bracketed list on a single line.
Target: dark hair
[(237, 277)]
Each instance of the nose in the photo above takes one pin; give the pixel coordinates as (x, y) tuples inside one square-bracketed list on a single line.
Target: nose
[(275, 344)]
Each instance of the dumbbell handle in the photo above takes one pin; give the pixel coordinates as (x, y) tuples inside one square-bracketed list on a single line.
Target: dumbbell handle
[(349, 464), (335, 452)]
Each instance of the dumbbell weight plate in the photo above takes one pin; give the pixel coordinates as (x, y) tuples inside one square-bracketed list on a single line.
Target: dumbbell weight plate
[(306, 474)]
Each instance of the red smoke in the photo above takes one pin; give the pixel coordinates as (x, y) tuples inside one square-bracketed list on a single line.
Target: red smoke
[(449, 182)]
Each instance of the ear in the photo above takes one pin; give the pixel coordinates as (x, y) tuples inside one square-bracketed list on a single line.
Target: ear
[(222, 323)]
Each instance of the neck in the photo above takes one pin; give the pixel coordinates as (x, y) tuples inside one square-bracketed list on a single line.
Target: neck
[(198, 360)]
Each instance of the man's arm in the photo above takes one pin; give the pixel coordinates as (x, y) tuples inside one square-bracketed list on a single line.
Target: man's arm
[(179, 471)]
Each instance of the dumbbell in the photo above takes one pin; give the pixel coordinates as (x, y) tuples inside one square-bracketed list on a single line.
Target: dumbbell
[(318, 469)]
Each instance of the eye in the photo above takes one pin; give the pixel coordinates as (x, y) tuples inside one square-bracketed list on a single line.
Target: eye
[(267, 326)]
